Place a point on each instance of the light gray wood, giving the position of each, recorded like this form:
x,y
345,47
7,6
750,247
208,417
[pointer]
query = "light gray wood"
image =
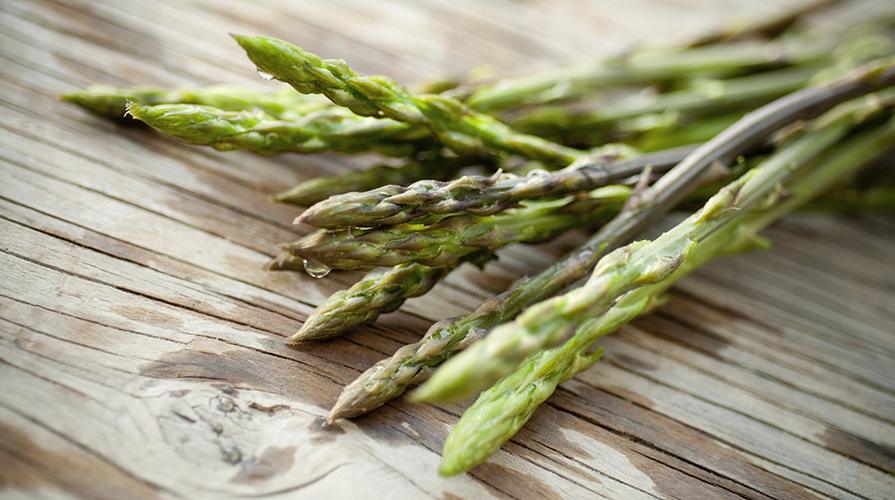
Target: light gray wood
x,y
141,345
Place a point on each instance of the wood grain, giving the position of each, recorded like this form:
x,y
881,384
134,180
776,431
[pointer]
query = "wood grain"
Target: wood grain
x,y
141,346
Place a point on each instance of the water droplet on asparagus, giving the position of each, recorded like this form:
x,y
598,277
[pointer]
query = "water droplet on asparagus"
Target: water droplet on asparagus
x,y
316,270
264,75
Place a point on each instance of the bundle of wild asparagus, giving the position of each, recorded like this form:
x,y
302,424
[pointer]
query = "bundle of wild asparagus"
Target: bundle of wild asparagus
x,y
748,128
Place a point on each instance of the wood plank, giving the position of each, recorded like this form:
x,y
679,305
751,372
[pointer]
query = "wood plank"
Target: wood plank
x,y
141,347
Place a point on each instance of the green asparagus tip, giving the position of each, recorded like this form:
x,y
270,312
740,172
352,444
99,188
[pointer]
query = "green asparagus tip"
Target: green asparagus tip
x,y
100,100
296,339
453,467
75,98
260,50
298,195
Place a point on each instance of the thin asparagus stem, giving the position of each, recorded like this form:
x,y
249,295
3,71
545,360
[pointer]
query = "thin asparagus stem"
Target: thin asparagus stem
x,y
453,123
411,364
334,129
504,408
480,195
553,321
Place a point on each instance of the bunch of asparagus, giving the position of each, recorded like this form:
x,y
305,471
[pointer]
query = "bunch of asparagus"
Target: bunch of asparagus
x,y
748,127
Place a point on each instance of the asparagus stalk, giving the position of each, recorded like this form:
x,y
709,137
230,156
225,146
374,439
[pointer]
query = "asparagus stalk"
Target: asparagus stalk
x,y
449,241
453,123
376,293
111,102
412,363
504,408
642,263
479,195
334,129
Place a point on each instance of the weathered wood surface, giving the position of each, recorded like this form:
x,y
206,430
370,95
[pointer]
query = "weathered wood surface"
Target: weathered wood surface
x,y
141,349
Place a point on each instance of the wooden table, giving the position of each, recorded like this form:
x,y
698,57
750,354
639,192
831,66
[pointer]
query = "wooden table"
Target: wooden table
x,y
141,347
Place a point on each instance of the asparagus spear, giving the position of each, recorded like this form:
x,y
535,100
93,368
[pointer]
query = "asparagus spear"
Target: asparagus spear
x,y
334,129
480,195
111,102
453,123
504,408
376,293
642,263
412,363
447,242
